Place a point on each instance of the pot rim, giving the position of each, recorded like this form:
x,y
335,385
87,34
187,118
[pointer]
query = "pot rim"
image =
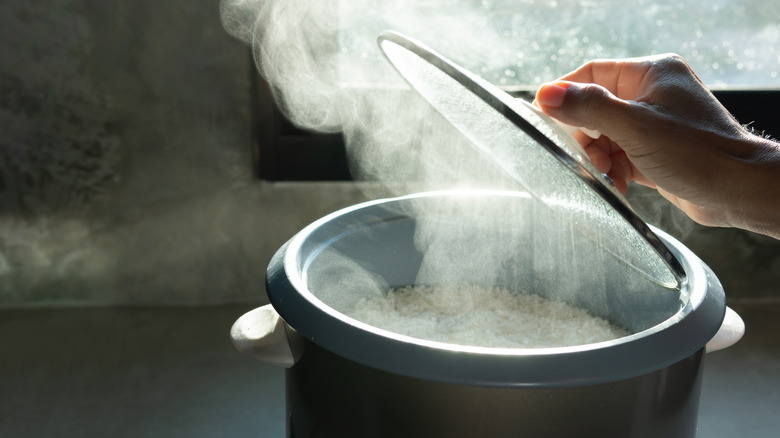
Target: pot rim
x,y
675,338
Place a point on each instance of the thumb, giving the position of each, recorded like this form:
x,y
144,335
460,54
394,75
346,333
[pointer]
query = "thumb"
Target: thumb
x,y
591,106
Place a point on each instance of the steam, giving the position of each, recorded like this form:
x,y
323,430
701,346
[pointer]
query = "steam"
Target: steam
x,y
293,44
319,79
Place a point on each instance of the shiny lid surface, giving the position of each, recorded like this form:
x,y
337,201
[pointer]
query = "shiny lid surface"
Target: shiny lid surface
x,y
534,151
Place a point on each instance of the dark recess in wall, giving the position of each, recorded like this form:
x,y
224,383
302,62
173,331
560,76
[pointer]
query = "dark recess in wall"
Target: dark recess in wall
x,y
285,152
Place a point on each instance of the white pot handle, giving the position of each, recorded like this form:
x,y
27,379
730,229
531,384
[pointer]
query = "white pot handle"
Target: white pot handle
x,y
263,334
731,331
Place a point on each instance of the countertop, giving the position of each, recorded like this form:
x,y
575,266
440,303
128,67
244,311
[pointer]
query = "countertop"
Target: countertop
x,y
172,372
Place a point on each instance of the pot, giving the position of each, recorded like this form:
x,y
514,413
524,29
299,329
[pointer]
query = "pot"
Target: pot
x,y
345,378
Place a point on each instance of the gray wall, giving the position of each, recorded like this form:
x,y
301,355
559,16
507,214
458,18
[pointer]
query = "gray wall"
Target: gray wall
x,y
125,164
125,158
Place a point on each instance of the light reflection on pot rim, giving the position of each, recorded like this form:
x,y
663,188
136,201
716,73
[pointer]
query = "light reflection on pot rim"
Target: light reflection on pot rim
x,y
693,293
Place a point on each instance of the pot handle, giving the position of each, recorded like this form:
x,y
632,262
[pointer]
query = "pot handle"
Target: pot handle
x,y
263,334
730,331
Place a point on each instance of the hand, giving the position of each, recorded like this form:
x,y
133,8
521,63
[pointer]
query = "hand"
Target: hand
x,y
662,128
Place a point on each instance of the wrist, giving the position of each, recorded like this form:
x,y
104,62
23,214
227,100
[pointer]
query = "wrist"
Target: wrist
x,y
755,197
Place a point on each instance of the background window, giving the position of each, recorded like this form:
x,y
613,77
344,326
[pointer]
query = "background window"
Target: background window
x,y
734,46
526,42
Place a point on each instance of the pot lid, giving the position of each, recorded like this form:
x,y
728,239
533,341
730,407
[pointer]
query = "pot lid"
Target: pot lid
x,y
536,152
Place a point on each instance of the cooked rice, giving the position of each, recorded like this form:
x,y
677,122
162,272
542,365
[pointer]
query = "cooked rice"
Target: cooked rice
x,y
483,316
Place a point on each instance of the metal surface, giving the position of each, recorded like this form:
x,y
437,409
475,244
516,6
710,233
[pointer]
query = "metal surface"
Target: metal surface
x,y
667,325
423,68
329,396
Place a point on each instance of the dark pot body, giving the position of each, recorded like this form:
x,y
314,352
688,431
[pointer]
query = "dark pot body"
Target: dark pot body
x,y
329,396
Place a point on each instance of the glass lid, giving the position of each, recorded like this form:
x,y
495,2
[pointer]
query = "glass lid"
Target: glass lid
x,y
537,153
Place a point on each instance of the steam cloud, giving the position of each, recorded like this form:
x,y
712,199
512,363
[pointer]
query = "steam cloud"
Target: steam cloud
x,y
319,77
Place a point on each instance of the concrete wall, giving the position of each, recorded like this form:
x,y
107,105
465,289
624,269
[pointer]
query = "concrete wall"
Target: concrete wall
x,y
125,158
125,164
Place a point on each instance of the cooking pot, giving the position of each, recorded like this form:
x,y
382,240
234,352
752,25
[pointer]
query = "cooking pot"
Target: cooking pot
x,y
346,378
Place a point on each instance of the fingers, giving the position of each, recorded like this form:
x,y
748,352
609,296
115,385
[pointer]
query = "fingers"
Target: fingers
x,y
620,171
629,78
598,151
612,161
621,78
591,106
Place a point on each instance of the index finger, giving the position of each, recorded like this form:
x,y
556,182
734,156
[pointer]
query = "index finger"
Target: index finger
x,y
625,78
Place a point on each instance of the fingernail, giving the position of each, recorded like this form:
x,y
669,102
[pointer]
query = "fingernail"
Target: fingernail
x,y
551,95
